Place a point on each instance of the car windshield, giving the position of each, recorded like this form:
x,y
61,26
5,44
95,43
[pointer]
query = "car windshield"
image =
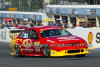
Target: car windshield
x,y
54,32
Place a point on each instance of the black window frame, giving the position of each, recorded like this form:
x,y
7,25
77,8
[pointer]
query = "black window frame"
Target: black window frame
x,y
23,34
36,33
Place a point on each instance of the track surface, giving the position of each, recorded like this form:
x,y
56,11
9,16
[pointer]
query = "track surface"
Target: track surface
x,y
6,60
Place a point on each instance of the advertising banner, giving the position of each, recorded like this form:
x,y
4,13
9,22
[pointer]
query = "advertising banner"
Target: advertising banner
x,y
8,19
81,19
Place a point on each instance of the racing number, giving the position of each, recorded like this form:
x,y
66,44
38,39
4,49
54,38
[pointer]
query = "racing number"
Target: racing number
x,y
37,46
98,37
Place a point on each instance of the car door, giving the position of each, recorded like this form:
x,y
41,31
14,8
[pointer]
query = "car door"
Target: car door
x,y
35,41
26,43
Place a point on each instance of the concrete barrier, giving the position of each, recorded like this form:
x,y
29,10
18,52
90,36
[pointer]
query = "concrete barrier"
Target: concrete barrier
x,y
6,34
91,35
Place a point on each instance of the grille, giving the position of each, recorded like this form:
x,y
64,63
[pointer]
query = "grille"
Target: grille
x,y
73,51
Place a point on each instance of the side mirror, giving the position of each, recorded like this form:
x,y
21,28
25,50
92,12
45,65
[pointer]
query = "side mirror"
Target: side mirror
x,y
14,33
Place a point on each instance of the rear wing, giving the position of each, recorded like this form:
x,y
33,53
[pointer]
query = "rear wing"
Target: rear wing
x,y
14,33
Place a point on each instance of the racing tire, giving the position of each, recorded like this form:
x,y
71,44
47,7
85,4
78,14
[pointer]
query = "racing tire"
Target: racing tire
x,y
82,55
17,51
46,51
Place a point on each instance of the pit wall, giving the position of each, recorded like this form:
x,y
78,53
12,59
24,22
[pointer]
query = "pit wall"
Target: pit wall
x,y
91,35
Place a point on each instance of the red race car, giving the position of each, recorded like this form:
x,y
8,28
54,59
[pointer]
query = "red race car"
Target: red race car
x,y
47,41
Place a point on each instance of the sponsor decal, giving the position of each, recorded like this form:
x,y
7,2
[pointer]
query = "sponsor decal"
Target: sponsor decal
x,y
81,19
36,43
28,50
53,53
65,37
27,43
37,46
90,38
69,45
49,29
50,41
98,37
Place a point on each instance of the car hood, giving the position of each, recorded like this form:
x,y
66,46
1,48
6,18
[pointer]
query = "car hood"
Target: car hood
x,y
64,39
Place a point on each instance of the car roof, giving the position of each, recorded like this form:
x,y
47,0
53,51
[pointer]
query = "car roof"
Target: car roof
x,y
41,28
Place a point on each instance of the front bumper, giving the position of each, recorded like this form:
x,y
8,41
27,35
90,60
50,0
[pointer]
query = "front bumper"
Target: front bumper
x,y
69,52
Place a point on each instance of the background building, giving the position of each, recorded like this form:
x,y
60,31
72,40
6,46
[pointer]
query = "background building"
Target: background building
x,y
22,5
64,12
74,2
39,5
74,12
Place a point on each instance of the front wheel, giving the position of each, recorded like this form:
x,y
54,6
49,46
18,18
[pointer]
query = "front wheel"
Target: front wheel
x,y
17,51
82,55
46,51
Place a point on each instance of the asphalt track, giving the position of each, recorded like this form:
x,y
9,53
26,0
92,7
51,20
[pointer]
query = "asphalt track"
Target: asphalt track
x,y
6,60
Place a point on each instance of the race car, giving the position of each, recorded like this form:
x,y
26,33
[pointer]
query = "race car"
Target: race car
x,y
48,41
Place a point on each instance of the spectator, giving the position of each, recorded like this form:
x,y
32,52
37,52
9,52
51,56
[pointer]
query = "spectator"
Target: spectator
x,y
2,26
61,25
94,25
84,25
49,24
79,25
91,25
31,24
41,24
38,24
28,25
74,24
54,24
21,27
67,25
16,25
87,25
5,27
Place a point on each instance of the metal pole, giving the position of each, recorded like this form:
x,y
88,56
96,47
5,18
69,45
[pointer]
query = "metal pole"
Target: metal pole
x,y
19,5
89,2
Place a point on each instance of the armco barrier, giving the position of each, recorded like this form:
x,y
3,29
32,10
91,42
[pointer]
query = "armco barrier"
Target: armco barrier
x,y
91,35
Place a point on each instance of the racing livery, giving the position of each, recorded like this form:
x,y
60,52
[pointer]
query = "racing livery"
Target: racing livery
x,y
47,41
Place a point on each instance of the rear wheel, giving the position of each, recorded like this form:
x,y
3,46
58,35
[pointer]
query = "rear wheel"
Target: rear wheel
x,y
82,55
17,51
46,51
